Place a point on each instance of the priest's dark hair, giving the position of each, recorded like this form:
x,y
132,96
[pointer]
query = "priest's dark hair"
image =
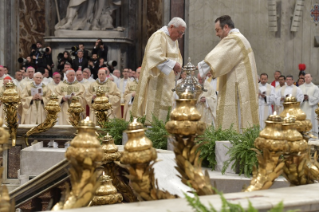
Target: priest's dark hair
x,y
282,76
264,74
290,76
225,19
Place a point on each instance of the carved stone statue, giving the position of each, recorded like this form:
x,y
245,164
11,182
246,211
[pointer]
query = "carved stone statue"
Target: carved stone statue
x,y
89,15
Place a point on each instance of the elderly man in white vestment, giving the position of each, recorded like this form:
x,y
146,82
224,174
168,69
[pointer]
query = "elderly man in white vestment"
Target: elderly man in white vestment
x,y
55,82
34,97
233,61
287,90
162,61
207,103
112,93
80,79
65,91
266,97
311,99
30,71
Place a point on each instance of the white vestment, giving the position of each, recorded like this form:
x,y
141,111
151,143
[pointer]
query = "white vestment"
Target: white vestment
x,y
265,103
310,106
277,107
286,91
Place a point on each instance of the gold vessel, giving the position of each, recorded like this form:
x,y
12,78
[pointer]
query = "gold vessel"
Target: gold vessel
x,y
84,155
11,100
185,126
52,108
101,106
106,193
75,111
285,136
138,158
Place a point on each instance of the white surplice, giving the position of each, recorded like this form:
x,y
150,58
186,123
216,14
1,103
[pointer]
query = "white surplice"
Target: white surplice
x,y
288,90
310,106
265,103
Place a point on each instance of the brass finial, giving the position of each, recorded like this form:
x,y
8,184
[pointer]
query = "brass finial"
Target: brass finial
x,y
135,125
86,123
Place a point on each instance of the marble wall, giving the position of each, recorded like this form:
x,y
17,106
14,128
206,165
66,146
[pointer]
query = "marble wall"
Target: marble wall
x,y
282,50
31,24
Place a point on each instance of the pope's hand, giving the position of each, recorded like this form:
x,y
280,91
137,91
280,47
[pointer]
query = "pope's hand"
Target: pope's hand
x,y
177,68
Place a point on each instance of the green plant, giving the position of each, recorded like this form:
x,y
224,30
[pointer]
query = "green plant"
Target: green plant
x,y
139,119
196,204
158,133
115,128
208,140
241,153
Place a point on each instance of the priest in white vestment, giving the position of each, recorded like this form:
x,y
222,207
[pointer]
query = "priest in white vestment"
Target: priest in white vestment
x,y
87,75
46,78
162,61
18,78
233,61
34,98
30,71
309,104
266,97
65,91
55,82
207,103
287,90
123,82
129,95
279,107
81,79
111,92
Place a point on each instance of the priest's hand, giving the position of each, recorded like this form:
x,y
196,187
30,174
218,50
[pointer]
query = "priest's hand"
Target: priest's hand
x,y
177,68
306,97
93,97
282,99
203,99
133,93
35,97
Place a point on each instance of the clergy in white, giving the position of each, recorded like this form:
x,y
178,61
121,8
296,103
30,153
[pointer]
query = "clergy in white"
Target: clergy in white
x,y
279,107
123,82
289,89
266,96
29,78
311,99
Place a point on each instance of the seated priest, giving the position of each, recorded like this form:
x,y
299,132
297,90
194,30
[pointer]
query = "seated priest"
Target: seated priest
x,y
65,91
129,94
34,97
207,103
5,80
112,93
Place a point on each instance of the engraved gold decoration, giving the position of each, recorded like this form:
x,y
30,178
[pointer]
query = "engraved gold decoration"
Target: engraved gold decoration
x,y
75,111
110,155
139,157
101,106
285,135
185,126
106,193
52,108
5,204
11,100
84,155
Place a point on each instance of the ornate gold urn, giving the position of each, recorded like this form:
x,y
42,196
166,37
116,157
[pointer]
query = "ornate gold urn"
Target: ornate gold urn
x,y
138,158
11,100
292,107
101,106
185,126
84,155
106,193
75,111
52,108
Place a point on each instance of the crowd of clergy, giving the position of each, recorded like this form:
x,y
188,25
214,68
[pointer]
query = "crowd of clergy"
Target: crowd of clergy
x,y
120,88
272,96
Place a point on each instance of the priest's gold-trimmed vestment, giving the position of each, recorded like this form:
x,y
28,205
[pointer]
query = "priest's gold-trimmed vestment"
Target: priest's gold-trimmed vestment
x,y
233,61
113,93
154,91
66,88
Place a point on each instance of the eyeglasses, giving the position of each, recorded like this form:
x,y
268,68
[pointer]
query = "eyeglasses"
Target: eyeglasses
x,y
180,33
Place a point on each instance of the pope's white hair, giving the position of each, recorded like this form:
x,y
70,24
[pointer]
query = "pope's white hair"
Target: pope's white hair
x,y
87,69
38,73
68,71
176,22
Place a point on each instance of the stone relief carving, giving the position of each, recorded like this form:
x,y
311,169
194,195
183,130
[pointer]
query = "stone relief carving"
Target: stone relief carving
x,y
89,15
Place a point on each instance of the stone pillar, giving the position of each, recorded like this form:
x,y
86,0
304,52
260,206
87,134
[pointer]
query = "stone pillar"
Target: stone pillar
x,y
178,10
